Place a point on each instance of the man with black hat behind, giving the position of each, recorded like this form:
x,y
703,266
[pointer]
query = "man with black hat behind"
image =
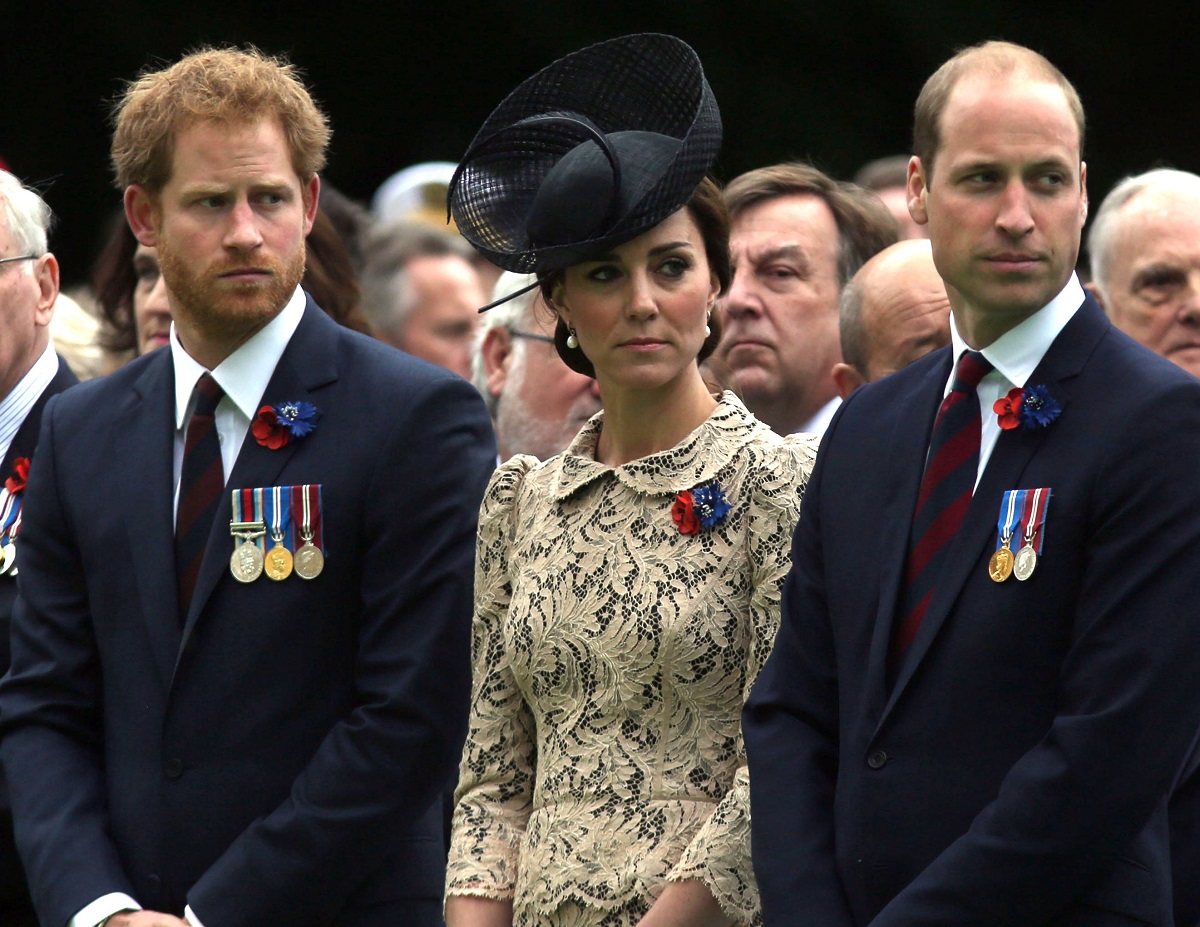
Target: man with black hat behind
x,y
240,654
984,683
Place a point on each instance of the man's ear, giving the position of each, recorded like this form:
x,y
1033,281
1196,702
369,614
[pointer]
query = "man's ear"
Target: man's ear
x,y
142,213
1091,287
917,190
312,197
847,379
45,271
496,349
1083,191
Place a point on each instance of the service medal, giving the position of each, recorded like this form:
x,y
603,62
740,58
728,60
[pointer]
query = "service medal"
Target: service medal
x,y
278,561
246,562
309,561
1026,563
1000,566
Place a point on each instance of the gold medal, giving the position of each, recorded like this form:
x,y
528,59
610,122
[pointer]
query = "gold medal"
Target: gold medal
x,y
1026,562
309,560
278,563
1000,566
246,562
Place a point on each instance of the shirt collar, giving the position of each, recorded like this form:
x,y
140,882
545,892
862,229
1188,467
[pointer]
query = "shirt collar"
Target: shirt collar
x,y
695,460
1017,352
819,422
15,407
245,373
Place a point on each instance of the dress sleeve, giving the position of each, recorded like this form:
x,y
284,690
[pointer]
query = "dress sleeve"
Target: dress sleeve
x,y
719,855
495,786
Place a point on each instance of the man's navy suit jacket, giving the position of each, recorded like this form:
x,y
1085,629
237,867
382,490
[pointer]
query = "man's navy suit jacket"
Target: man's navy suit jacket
x,y
278,756
24,442
1016,772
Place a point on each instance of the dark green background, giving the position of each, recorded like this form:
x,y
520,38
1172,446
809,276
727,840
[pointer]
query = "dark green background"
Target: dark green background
x,y
829,81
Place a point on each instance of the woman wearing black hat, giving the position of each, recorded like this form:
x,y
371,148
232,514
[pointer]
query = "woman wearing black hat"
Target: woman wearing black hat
x,y
627,591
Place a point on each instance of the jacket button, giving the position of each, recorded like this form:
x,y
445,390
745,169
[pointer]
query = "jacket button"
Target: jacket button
x,y
876,759
174,768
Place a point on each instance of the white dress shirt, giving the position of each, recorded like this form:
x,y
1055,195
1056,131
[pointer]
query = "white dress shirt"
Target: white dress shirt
x,y
819,422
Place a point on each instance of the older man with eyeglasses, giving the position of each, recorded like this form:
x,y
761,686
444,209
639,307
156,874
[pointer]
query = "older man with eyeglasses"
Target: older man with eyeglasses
x,y
30,373
538,403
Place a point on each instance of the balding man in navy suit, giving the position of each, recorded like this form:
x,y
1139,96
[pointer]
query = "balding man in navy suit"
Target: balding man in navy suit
x,y
984,684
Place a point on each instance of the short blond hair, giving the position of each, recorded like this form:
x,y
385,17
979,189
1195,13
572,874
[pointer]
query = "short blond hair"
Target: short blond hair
x,y
228,85
995,59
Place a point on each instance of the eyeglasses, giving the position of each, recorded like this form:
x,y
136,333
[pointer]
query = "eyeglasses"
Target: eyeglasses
x,y
531,336
20,257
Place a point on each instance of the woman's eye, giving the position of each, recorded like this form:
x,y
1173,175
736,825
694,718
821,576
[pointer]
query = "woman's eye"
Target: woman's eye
x,y
603,274
675,267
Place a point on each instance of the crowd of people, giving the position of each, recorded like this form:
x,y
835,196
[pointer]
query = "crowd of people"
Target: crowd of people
x,y
797,551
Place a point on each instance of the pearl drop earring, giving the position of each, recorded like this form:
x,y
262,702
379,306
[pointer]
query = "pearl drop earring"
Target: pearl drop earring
x,y
572,341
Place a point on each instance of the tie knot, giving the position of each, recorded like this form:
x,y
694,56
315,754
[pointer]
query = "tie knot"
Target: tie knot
x,y
971,368
208,393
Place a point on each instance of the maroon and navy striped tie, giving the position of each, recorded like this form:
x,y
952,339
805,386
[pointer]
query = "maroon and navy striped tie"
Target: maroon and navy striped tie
x,y
201,482
946,490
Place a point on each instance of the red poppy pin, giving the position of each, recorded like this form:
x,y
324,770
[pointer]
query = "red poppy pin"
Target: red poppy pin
x,y
275,426
16,483
1029,408
704,508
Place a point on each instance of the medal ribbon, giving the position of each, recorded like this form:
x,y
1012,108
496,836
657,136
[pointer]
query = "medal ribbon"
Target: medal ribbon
x,y
1034,519
306,512
1010,511
10,509
278,517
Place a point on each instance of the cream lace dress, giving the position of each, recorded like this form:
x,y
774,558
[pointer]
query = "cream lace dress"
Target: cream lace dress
x,y
612,654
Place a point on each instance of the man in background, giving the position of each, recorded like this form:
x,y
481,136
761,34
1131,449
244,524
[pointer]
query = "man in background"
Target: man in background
x,y
538,403
30,373
421,294
797,238
1144,246
894,311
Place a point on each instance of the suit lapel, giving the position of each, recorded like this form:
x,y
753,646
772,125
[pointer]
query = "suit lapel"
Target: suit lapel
x,y
144,433
1061,364
306,366
909,441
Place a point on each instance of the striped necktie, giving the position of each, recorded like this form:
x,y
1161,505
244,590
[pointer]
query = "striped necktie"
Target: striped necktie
x,y
946,490
201,482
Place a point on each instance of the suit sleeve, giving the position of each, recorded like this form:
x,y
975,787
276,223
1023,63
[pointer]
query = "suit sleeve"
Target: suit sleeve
x,y
1128,709
719,854
49,705
382,767
495,784
790,727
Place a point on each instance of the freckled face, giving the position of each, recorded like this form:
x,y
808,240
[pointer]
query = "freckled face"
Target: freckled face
x,y
229,226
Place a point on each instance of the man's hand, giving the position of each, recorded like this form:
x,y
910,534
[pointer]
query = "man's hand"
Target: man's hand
x,y
145,919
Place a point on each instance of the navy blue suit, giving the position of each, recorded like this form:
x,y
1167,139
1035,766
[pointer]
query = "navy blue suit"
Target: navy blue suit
x,y
278,758
14,897
1017,771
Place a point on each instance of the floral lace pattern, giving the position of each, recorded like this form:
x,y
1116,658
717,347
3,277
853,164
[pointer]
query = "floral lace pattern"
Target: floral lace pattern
x,y
612,655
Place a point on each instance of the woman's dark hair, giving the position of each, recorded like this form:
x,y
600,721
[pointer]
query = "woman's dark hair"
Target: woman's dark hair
x,y
707,207
113,282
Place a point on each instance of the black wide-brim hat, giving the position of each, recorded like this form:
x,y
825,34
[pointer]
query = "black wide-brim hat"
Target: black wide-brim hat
x,y
587,154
